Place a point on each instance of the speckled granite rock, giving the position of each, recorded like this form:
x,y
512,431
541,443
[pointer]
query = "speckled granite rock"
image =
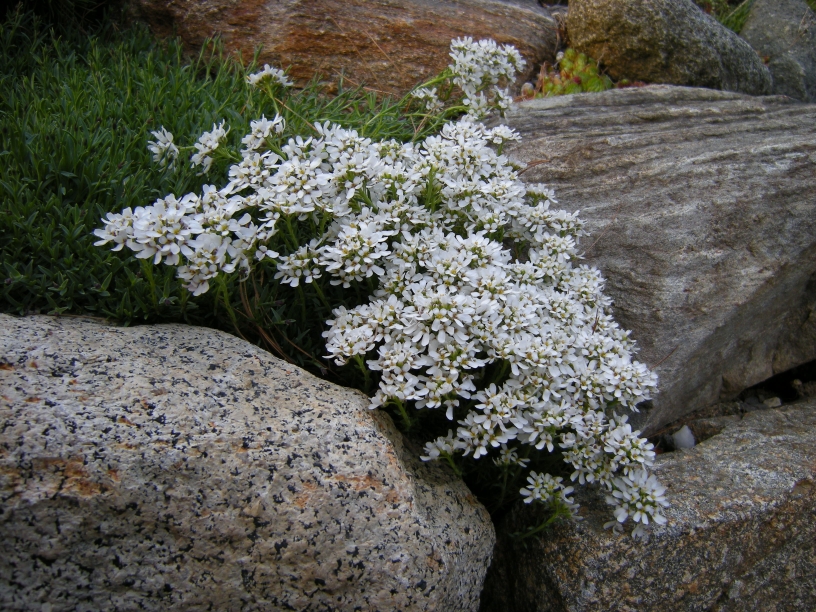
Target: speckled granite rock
x,y
784,31
741,534
180,468
701,207
665,41
390,45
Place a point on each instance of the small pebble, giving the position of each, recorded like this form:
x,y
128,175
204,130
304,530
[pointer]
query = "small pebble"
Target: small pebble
x,y
683,438
773,402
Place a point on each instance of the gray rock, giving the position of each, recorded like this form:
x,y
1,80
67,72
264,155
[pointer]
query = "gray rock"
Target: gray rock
x,y
784,31
665,41
702,212
180,468
741,534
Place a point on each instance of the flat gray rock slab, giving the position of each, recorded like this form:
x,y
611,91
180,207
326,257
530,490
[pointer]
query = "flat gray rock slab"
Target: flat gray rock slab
x,y
784,32
702,211
180,468
665,41
741,534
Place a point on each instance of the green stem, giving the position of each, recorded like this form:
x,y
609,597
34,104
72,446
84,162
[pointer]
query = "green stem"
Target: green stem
x,y
224,292
452,463
268,91
443,76
558,512
292,234
440,78
371,286
502,372
358,359
321,295
295,113
185,295
408,423
302,296
147,267
324,219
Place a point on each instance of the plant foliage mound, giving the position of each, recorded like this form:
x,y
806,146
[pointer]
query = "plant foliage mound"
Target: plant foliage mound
x,y
574,73
77,113
428,267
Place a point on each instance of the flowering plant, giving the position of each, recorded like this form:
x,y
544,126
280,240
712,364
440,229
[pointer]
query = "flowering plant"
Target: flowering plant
x,y
468,297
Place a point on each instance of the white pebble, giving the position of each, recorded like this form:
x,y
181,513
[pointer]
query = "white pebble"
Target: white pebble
x,y
683,438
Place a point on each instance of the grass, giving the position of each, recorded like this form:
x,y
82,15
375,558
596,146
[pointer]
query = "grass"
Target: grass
x,y
734,13
75,116
76,113
734,17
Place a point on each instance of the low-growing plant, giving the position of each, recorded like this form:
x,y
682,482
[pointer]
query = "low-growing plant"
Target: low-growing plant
x,y
734,13
65,17
573,73
431,271
731,13
76,113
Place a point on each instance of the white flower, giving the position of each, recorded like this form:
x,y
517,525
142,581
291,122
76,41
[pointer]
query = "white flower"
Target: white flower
x,y
509,456
163,149
208,143
628,451
261,130
547,489
501,134
298,266
253,171
275,75
118,229
478,67
439,447
205,256
640,497
429,98
160,230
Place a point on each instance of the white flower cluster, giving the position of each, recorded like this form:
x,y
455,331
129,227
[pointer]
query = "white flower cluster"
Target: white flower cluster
x,y
509,457
520,342
276,75
163,149
547,489
207,144
203,235
479,68
429,97
640,496
482,70
262,129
